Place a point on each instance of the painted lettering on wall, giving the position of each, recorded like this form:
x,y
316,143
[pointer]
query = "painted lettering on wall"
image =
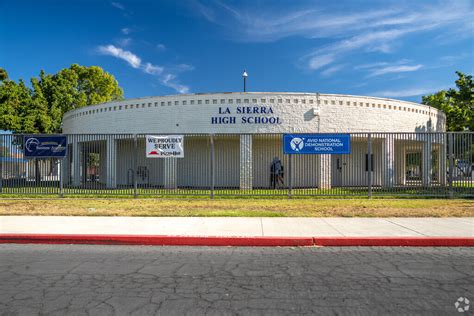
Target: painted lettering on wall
x,y
246,115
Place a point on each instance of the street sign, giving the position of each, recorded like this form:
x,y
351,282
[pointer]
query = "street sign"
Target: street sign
x,y
317,143
36,146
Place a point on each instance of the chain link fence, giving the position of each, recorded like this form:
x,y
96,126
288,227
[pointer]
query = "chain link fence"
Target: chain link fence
x,y
230,165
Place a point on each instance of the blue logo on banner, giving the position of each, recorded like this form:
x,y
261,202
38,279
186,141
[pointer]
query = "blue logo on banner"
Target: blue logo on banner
x,y
317,143
45,146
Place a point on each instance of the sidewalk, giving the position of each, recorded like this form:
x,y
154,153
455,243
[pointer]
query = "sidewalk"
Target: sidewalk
x,y
238,231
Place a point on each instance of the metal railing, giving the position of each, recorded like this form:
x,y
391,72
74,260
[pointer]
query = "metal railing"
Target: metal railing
x,y
227,165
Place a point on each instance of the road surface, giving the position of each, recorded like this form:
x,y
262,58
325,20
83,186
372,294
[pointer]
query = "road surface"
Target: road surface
x,y
145,280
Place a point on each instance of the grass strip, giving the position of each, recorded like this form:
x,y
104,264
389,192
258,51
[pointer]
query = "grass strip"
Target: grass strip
x,y
240,207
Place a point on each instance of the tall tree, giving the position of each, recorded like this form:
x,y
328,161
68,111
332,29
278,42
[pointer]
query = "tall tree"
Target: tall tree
x,y
40,109
458,104
13,99
3,74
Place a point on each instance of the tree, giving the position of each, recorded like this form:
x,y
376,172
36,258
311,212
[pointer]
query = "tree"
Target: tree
x,y
76,87
40,109
13,100
458,104
3,74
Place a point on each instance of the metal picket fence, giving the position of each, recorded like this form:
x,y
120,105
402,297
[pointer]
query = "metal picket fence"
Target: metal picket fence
x,y
229,165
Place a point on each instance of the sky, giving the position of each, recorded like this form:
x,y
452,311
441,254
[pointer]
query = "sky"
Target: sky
x,y
396,49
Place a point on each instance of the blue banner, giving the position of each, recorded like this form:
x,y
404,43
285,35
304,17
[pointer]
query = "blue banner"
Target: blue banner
x,y
317,143
37,146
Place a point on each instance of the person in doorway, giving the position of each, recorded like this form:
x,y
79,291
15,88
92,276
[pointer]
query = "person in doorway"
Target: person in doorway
x,y
276,173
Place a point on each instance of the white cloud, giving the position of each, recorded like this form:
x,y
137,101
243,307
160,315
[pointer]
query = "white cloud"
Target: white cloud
x,y
368,41
160,47
348,30
331,70
409,92
184,67
132,59
452,59
152,69
165,77
382,68
371,65
118,5
124,41
263,24
205,11
126,30
394,69
381,64
167,80
317,62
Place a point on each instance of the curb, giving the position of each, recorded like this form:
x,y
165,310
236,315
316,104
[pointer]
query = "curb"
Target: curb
x,y
395,241
236,241
155,240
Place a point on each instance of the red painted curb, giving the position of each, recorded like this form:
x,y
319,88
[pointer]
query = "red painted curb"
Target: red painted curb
x,y
396,241
154,240
235,241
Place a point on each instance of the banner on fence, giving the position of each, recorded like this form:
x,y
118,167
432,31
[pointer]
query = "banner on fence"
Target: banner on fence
x,y
317,143
45,146
164,146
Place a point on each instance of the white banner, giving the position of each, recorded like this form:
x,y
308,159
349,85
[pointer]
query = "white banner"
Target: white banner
x,y
165,146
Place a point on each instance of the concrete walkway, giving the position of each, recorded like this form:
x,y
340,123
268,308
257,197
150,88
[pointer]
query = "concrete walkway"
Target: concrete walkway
x,y
239,226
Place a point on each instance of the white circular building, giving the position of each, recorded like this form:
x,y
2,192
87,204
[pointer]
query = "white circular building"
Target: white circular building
x,y
247,130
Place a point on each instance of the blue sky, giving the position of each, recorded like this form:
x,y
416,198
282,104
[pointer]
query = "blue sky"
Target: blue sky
x,y
399,49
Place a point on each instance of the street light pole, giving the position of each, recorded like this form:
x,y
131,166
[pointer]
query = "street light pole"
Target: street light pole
x,y
245,75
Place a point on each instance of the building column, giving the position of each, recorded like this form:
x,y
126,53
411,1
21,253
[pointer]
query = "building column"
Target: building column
x,y
324,172
389,160
246,174
103,162
170,174
64,174
426,160
76,163
111,149
65,165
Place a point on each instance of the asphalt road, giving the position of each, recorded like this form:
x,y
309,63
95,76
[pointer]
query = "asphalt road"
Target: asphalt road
x,y
122,280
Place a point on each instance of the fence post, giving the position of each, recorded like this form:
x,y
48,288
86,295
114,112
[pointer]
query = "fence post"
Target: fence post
x,y
37,173
135,167
451,164
290,177
61,185
2,142
212,165
369,164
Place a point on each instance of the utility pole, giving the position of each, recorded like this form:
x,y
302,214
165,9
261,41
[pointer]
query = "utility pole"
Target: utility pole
x,y
245,75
